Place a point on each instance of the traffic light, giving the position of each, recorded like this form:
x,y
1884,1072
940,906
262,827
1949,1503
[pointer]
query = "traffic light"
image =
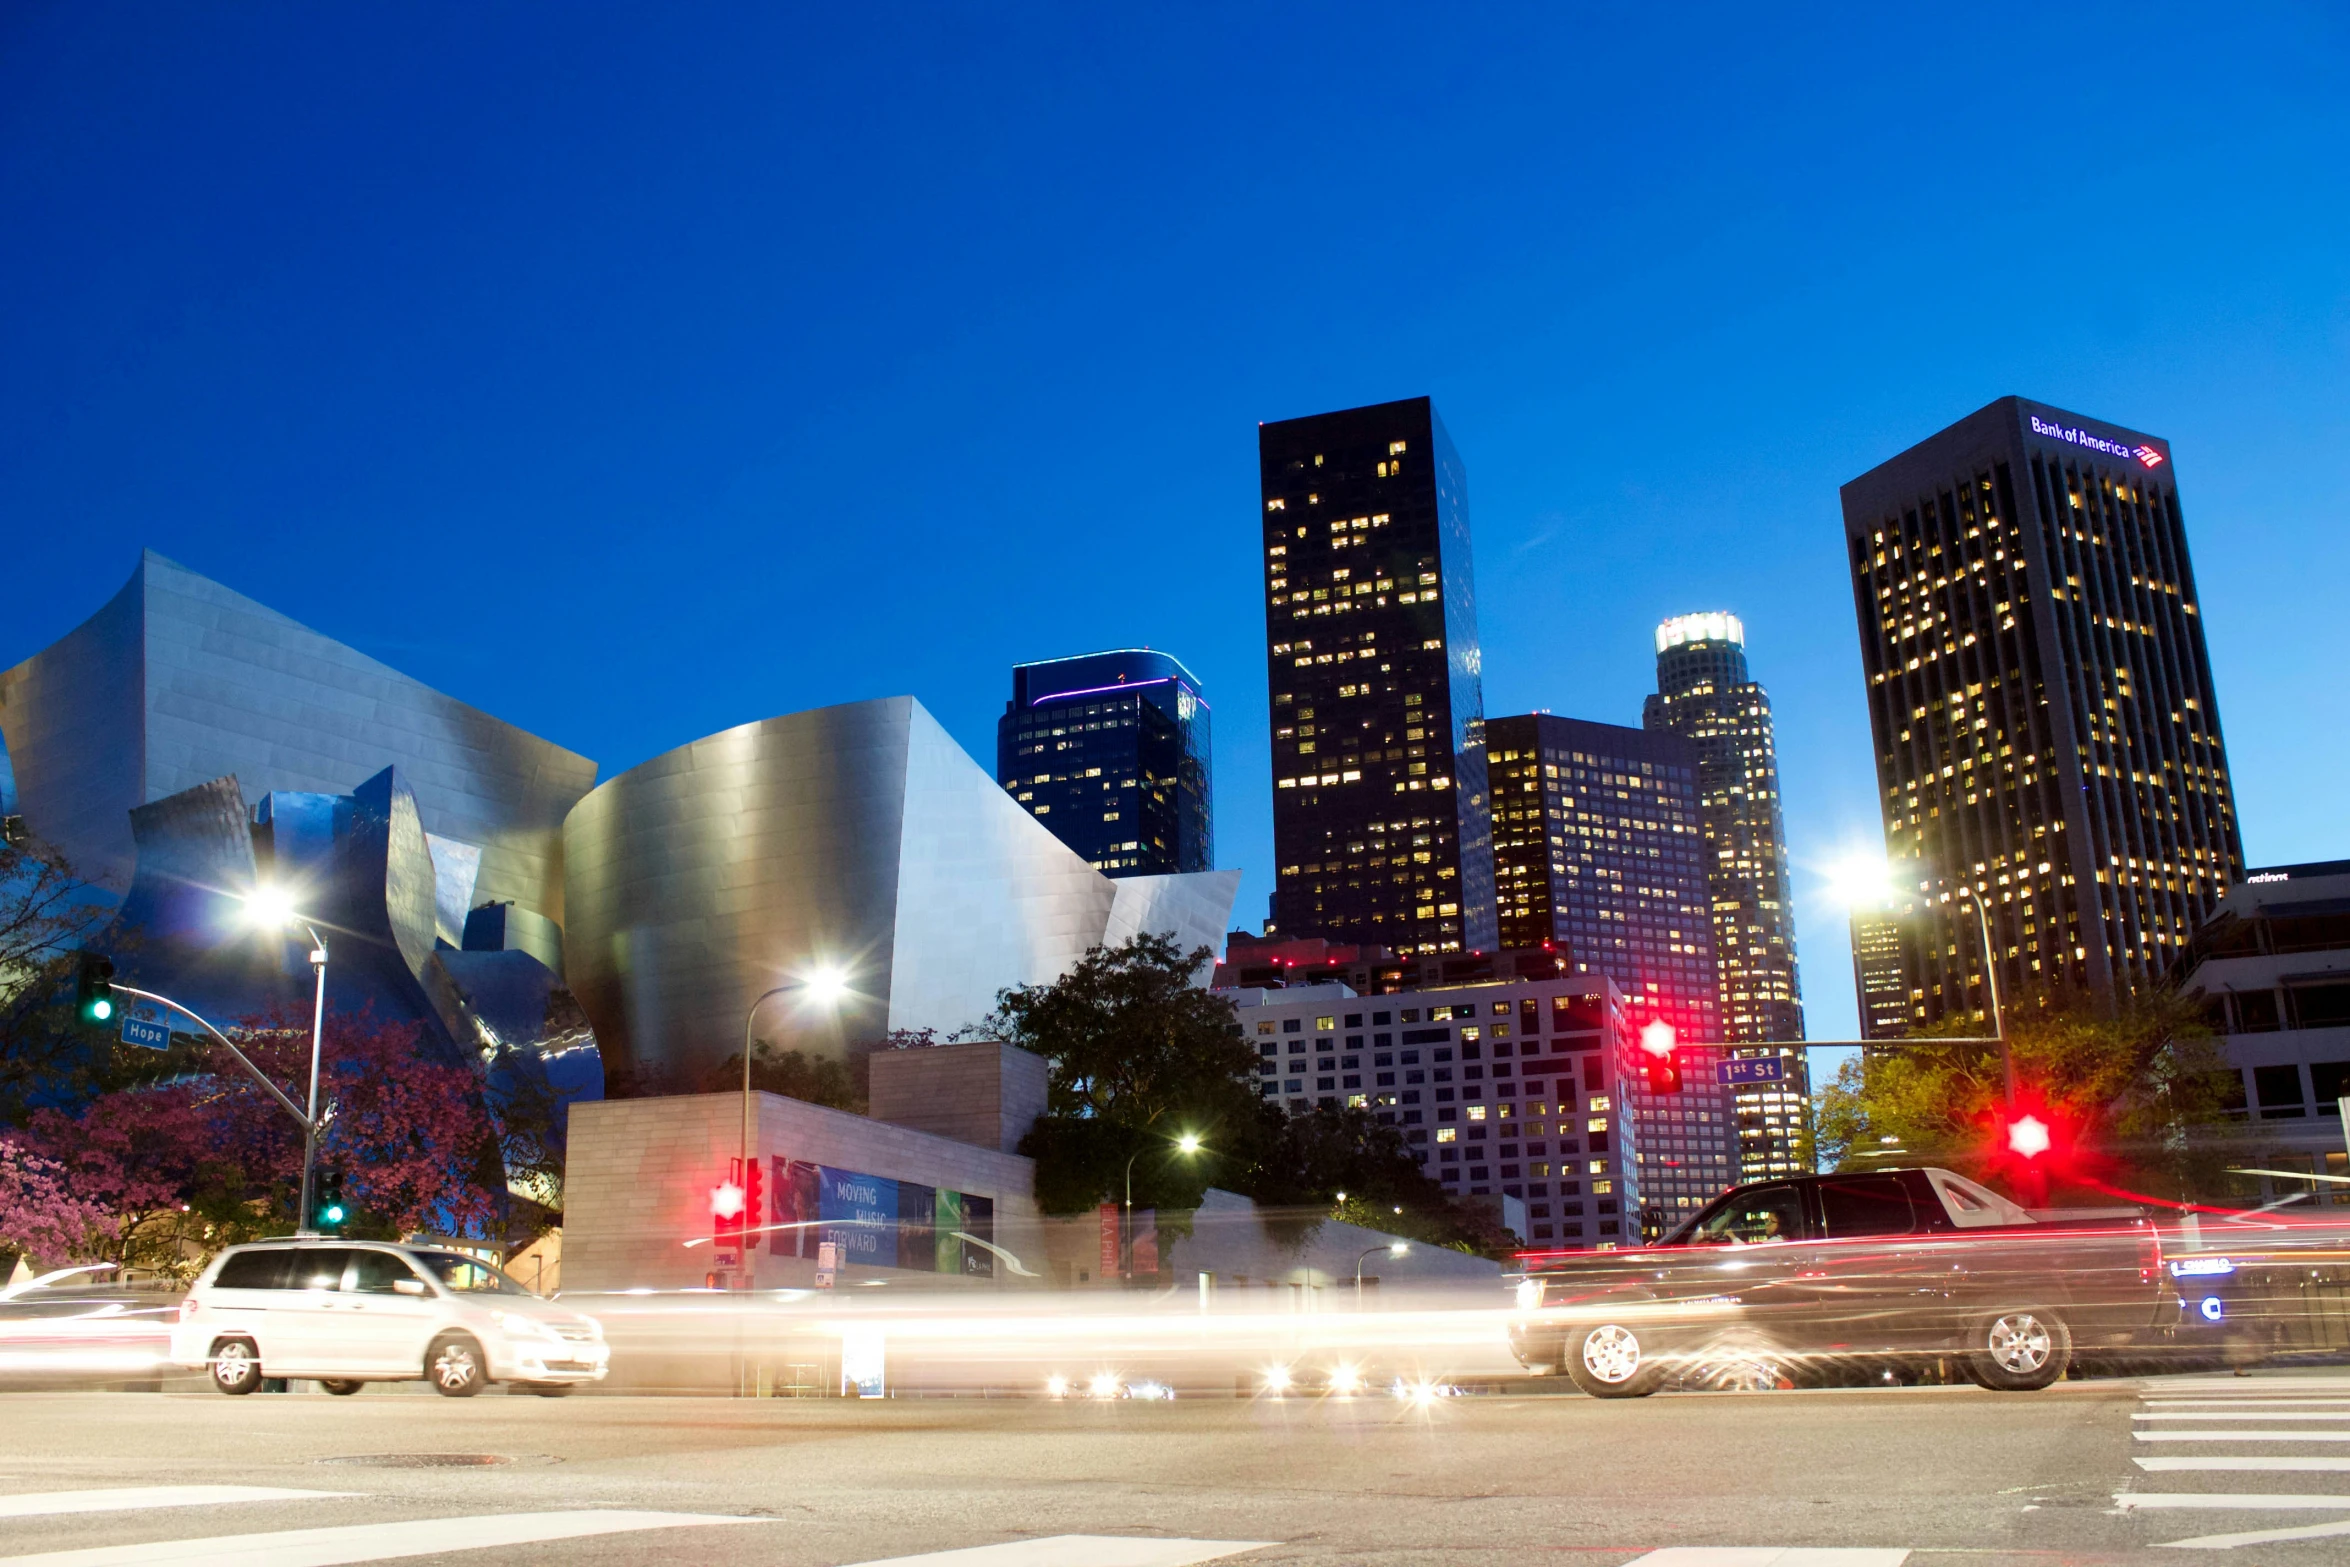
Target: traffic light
x,y
754,1199
726,1204
2027,1136
94,990
1660,1072
328,1214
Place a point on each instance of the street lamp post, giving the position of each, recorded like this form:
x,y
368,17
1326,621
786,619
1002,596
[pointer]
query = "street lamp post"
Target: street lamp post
x,y
1186,1145
270,908
1392,1248
1991,984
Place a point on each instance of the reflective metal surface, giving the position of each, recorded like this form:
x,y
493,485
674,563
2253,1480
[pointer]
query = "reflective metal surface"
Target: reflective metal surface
x,y
857,839
178,681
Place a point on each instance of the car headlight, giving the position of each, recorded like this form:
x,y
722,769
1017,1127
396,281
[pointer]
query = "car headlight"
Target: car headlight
x,y
515,1325
1529,1294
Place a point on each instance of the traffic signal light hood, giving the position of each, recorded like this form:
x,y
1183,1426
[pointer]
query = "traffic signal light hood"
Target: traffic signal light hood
x,y
94,990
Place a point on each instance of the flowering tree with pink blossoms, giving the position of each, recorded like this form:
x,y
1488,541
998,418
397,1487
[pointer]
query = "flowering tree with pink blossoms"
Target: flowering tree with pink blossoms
x,y
42,1218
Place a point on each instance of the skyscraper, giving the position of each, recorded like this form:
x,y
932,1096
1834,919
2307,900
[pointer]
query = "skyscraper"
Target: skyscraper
x,y
2047,736
1705,695
1878,982
1598,850
1110,751
1380,827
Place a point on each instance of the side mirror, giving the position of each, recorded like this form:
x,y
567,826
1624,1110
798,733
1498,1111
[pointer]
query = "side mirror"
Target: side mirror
x,y
408,1286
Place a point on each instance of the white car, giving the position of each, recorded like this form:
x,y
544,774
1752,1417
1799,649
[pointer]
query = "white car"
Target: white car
x,y
352,1312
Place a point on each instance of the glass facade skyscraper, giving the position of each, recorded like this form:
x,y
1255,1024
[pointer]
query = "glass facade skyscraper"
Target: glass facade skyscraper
x,y
1598,851
1111,752
1705,695
2047,736
1380,825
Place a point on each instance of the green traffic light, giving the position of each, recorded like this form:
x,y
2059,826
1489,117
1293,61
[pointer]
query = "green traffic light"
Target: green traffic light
x,y
101,1010
334,1214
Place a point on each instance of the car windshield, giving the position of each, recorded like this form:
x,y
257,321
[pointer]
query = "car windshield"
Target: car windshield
x,y
468,1275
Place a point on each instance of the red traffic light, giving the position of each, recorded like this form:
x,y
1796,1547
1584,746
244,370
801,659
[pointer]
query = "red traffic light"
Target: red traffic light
x,y
2028,1137
1658,1038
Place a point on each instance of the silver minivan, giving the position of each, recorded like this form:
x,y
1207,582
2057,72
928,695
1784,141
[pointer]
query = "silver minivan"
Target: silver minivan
x,y
347,1313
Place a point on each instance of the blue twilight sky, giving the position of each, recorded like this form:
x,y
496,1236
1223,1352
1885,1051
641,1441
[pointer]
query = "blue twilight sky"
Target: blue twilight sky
x,y
632,372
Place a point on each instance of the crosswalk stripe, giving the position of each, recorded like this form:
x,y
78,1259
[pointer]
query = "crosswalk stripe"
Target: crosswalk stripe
x,y
2281,1464
2251,1387
2229,1542
1769,1556
2248,1403
124,1498
2285,1414
2237,1501
372,1542
2243,1436
1082,1550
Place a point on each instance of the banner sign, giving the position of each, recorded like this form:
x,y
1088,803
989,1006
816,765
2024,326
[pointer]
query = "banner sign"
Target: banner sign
x,y
875,1222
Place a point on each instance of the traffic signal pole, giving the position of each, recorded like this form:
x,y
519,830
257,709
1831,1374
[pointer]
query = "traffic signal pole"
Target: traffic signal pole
x,y
285,1103
310,1121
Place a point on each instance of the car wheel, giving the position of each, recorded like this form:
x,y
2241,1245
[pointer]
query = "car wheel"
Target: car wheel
x,y
341,1387
1607,1360
2019,1351
236,1367
454,1366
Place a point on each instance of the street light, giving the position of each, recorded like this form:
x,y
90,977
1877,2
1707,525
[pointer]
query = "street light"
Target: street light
x,y
272,908
1392,1248
1864,882
826,986
1187,1145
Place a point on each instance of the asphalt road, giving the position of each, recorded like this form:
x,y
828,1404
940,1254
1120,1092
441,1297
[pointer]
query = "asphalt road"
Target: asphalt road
x,y
1500,1479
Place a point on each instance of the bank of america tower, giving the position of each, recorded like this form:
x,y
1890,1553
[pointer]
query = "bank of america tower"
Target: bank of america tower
x,y
1381,828
2047,737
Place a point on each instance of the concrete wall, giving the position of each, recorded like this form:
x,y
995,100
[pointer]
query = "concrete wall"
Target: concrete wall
x,y
639,1173
987,1092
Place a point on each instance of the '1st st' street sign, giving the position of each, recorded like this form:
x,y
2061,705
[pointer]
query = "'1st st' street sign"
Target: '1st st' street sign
x,y
1768,1069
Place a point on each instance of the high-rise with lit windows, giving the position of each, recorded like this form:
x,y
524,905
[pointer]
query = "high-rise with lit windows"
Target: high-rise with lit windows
x,y
1879,982
1598,852
1110,751
1705,695
2041,701
1380,828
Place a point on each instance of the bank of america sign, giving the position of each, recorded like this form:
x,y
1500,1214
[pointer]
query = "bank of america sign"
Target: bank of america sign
x,y
2076,436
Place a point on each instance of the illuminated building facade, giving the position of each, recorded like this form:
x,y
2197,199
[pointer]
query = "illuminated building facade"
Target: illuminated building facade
x,y
1508,1087
1879,982
1705,695
1597,851
1110,752
2047,734
1380,829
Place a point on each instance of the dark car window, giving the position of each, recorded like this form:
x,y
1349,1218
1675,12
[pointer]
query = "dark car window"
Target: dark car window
x,y
254,1270
375,1272
1865,1205
318,1268
1758,1216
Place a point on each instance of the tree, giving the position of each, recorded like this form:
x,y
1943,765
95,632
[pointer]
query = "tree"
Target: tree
x,y
42,1218
47,915
1133,1040
2124,1088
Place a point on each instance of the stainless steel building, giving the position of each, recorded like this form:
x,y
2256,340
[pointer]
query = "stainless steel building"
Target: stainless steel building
x,y
179,681
853,857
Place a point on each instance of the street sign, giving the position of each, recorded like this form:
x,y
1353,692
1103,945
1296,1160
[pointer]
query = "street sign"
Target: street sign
x,y
146,1035
1769,1069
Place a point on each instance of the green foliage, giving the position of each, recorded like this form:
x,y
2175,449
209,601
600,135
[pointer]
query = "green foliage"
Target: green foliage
x,y
2130,1084
1133,1040
1082,1161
